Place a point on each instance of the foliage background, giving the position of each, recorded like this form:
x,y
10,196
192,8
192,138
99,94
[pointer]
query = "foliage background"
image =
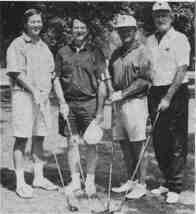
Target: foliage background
x,y
99,15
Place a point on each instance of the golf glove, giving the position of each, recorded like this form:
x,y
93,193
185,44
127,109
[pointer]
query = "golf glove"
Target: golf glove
x,y
116,96
64,110
75,140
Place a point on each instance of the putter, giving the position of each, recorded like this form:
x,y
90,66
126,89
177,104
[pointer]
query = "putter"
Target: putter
x,y
81,170
107,210
69,205
138,163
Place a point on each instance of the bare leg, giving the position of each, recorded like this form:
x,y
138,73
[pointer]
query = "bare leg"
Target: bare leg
x,y
127,150
22,189
92,158
18,155
37,148
37,153
137,146
73,158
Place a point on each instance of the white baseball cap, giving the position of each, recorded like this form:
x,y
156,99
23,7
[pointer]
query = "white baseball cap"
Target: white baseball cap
x,y
125,21
161,5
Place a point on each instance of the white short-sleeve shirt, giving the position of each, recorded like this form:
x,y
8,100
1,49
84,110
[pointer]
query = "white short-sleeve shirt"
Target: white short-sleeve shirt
x,y
34,60
172,51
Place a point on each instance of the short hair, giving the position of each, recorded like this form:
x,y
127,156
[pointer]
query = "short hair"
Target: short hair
x,y
81,19
30,12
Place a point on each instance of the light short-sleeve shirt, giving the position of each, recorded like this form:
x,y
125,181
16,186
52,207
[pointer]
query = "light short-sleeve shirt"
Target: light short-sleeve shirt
x,y
34,60
172,51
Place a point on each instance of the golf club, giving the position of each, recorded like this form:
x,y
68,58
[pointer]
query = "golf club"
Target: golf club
x,y
138,163
81,170
70,207
107,210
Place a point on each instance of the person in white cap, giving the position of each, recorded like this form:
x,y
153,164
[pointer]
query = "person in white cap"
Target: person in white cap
x,y
129,68
170,52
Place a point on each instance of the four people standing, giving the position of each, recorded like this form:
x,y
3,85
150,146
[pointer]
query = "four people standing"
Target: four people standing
x,y
157,69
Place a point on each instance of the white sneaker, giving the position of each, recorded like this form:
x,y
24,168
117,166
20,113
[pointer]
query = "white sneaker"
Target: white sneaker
x,y
159,191
138,191
73,187
24,191
172,197
124,187
44,183
90,188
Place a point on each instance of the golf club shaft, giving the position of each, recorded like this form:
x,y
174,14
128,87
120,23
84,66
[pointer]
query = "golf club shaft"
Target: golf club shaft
x,y
62,181
140,157
110,179
59,170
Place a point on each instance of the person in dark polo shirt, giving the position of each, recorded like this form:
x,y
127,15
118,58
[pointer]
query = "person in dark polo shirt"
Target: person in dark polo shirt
x,y
79,67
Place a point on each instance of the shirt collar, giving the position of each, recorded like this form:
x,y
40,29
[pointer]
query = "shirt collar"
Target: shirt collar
x,y
28,39
84,46
127,49
170,33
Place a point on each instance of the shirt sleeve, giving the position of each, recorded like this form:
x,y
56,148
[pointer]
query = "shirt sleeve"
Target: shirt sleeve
x,y
51,65
100,65
182,51
16,60
58,65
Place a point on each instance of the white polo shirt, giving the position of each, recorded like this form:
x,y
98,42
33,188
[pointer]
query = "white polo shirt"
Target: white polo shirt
x,y
172,51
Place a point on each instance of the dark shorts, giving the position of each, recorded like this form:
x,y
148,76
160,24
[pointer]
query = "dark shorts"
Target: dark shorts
x,y
80,115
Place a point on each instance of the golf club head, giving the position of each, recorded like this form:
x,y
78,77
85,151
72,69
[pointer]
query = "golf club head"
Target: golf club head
x,y
93,133
106,211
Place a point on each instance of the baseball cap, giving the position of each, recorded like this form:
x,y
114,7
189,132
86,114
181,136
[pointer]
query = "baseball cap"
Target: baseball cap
x,y
162,5
125,21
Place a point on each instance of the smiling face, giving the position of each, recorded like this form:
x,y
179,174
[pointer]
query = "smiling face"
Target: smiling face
x,y
163,20
127,34
34,25
79,31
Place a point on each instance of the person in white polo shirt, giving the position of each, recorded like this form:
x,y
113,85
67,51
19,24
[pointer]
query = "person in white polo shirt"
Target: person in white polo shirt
x,y
170,52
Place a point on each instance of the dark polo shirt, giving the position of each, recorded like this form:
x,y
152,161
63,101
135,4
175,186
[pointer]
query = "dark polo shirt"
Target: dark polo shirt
x,y
79,71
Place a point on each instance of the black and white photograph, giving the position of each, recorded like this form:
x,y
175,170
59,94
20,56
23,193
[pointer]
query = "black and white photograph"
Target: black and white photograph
x,y
97,107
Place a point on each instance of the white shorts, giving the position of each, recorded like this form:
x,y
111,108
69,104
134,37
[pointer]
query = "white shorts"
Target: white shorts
x,y
27,118
130,120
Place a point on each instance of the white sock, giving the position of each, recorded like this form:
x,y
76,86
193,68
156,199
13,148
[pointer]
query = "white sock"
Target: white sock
x,y
19,177
38,171
76,178
90,178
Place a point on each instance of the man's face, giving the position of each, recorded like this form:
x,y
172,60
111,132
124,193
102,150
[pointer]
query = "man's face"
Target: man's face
x,y
162,20
79,30
127,34
34,25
